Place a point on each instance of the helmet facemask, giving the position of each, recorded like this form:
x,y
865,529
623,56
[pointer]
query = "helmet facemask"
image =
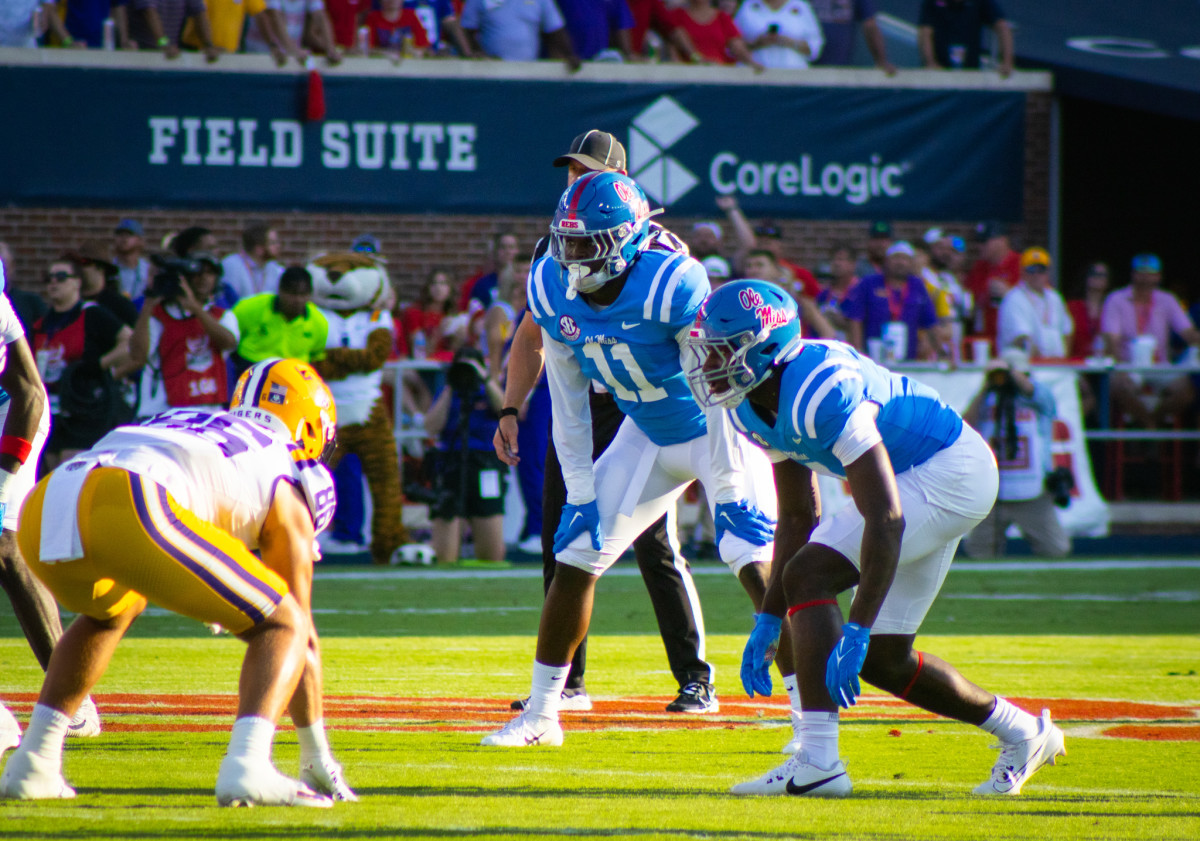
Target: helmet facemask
x,y
592,259
718,371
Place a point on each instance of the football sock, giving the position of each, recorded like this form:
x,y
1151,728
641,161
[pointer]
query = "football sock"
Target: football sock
x,y
1010,723
251,738
792,687
819,735
46,731
314,745
548,683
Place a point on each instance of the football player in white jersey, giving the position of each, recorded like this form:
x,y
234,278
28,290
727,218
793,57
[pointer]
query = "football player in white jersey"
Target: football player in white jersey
x,y
920,479
25,421
612,306
169,511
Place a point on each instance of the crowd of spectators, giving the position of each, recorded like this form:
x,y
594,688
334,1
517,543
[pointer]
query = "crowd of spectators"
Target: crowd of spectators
x,y
757,33
122,330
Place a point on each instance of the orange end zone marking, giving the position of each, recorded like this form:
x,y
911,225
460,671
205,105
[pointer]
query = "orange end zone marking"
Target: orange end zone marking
x,y
212,713
1153,733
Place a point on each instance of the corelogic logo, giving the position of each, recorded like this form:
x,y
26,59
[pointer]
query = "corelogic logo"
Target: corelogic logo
x,y
656,129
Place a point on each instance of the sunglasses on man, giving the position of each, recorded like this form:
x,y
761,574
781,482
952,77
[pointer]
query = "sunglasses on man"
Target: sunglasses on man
x,y
59,277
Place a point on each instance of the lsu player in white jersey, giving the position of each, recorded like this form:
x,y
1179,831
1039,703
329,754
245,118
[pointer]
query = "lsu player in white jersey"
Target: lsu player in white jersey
x,y
25,421
920,479
169,512
612,308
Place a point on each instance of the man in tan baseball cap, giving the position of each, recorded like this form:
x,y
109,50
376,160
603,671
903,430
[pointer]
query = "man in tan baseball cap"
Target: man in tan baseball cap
x,y
593,151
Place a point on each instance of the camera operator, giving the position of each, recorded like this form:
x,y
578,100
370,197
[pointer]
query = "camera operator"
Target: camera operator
x,y
180,336
472,481
80,348
1016,415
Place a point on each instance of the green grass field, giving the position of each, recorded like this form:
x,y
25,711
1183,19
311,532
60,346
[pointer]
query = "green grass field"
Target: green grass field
x,y
419,665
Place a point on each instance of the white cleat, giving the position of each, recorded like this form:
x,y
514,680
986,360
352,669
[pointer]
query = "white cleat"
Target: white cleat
x,y
10,730
794,746
1019,762
244,783
28,776
86,721
524,731
326,778
800,778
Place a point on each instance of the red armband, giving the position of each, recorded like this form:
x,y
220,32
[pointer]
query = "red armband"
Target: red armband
x,y
18,448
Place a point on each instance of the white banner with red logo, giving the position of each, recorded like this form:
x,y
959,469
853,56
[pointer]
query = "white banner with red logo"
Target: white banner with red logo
x,y
1088,514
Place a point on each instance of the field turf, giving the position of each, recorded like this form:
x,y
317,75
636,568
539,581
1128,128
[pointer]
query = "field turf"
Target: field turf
x,y
420,664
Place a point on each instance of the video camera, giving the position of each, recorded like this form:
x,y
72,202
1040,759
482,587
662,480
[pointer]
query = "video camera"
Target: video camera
x,y
167,282
464,374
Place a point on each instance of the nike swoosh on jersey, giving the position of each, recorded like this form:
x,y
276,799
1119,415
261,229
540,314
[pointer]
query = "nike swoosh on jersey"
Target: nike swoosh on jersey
x,y
792,788
629,325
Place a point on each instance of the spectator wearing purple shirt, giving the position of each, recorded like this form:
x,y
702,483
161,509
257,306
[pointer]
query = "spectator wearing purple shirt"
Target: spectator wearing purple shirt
x,y
84,20
895,295
837,18
1139,310
599,25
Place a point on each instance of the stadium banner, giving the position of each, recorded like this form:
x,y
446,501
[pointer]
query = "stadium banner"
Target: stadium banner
x,y
233,140
1088,513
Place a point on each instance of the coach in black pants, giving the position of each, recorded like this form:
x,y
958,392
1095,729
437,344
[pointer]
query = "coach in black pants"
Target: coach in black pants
x,y
666,573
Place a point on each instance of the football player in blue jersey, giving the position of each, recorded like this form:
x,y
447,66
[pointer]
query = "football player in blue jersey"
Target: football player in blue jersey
x,y
920,479
613,306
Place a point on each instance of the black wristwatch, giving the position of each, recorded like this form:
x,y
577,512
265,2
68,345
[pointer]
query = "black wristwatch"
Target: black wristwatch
x,y
509,410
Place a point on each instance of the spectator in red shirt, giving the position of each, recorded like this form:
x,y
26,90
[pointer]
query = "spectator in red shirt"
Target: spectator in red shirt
x,y
433,317
799,280
392,24
995,272
1085,312
715,37
654,16
346,16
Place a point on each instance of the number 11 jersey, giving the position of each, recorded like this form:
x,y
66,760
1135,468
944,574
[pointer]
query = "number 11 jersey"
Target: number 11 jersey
x,y
631,346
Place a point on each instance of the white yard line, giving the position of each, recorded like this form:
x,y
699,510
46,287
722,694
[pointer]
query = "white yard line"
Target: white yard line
x,y
629,570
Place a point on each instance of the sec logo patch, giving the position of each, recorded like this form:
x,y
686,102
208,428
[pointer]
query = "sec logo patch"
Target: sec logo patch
x,y
568,328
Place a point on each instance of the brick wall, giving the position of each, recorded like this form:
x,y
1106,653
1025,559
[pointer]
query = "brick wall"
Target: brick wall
x,y
415,243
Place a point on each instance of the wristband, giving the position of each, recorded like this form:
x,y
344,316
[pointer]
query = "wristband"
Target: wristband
x,y
508,411
18,448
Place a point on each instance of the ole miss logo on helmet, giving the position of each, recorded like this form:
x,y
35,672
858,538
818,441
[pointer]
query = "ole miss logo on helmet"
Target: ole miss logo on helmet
x,y
770,318
750,299
623,191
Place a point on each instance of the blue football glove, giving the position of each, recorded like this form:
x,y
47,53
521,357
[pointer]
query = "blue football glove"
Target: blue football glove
x,y
3,510
759,654
845,662
744,521
576,519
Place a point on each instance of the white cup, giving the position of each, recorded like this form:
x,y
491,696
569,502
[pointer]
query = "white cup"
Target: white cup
x,y
981,351
875,349
1141,350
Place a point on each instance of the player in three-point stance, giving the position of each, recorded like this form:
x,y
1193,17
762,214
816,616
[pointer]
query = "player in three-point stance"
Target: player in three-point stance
x,y
613,307
920,479
168,512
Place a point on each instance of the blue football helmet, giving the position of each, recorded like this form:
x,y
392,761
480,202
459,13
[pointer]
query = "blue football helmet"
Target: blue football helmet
x,y
744,328
601,224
